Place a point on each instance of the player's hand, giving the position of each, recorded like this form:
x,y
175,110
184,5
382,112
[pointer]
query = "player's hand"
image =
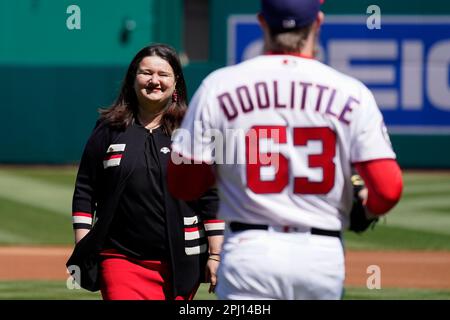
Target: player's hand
x,y
211,272
360,218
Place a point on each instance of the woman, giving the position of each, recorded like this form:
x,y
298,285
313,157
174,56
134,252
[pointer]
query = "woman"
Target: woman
x,y
144,244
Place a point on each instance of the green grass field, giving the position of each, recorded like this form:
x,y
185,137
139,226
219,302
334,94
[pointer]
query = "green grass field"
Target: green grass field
x,y
35,206
56,290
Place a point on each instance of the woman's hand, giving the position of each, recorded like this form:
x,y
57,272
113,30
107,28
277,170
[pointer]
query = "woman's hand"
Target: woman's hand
x,y
211,271
215,246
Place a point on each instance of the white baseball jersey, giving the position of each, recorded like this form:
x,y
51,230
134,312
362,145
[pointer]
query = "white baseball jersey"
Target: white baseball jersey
x,y
283,132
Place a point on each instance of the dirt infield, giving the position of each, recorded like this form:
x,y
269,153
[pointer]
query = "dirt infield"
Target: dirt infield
x,y
401,269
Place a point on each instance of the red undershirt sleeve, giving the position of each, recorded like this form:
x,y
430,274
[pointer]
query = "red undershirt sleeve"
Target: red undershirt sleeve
x,y
383,179
189,181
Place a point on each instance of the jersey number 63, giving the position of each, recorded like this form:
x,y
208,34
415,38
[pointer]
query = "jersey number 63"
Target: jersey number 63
x,y
301,136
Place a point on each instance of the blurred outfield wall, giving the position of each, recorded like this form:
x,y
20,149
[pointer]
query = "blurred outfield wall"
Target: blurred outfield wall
x,y
53,79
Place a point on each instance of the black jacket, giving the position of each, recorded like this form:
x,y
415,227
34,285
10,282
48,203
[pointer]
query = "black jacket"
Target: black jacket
x,y
98,190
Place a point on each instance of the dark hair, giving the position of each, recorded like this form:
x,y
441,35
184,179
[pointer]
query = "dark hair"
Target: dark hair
x,y
124,110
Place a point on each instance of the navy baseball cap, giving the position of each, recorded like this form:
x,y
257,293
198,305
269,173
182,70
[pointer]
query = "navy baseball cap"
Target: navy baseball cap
x,y
286,15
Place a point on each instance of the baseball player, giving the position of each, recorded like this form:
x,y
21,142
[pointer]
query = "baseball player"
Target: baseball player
x,y
292,128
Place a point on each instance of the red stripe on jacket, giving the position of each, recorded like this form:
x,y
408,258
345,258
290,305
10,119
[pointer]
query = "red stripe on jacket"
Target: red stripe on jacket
x,y
191,229
212,221
82,214
114,156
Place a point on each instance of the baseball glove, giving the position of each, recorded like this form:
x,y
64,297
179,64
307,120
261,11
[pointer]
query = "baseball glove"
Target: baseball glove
x,y
359,222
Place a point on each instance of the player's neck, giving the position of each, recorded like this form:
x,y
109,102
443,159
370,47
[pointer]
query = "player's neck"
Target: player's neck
x,y
296,54
308,50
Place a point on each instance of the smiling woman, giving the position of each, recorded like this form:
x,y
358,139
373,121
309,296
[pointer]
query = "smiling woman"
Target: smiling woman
x,y
153,91
154,86
155,82
134,241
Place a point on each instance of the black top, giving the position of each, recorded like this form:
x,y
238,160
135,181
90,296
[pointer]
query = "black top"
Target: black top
x,y
138,229
98,193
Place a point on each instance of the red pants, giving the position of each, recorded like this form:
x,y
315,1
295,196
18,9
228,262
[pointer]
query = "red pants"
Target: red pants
x,y
124,278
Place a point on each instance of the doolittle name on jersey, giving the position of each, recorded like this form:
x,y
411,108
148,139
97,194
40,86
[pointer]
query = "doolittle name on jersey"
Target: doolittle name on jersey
x,y
264,95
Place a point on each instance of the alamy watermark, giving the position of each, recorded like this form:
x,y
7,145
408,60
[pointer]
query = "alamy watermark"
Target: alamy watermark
x,y
262,145
374,279
374,20
73,21
74,279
